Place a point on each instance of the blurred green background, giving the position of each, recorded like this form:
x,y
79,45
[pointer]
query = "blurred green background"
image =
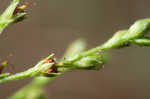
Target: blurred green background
x,y
53,24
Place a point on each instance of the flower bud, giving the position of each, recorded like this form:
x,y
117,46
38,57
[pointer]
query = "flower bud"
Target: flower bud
x,y
93,62
3,65
138,29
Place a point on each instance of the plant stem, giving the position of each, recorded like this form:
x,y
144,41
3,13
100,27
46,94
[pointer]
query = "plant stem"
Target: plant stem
x,y
32,90
35,71
87,58
40,82
120,39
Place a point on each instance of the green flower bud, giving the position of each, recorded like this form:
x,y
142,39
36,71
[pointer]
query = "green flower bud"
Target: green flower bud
x,y
93,62
138,29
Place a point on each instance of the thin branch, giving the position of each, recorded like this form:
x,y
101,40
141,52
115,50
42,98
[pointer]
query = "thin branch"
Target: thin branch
x,y
37,70
120,39
91,59
94,58
38,83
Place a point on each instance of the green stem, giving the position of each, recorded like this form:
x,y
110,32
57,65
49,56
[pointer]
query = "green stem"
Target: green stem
x,y
142,41
40,82
33,90
120,39
135,34
36,70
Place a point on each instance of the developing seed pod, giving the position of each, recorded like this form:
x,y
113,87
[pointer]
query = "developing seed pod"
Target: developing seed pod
x,y
93,62
3,65
49,61
19,13
52,69
20,9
